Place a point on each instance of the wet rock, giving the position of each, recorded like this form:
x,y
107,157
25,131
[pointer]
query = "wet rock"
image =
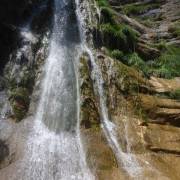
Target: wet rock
x,y
19,99
42,20
12,15
89,111
4,151
24,63
100,157
2,83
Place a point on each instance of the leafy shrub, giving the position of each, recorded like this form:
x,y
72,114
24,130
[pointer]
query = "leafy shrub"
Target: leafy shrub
x,y
120,37
19,99
102,3
168,64
134,60
175,29
137,9
107,15
162,45
117,54
175,94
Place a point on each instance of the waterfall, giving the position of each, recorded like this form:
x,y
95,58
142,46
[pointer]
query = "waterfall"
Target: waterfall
x,y
56,151
53,150
126,160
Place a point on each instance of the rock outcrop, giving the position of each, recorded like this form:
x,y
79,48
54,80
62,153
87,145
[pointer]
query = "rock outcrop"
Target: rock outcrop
x,y
12,15
22,54
136,47
142,89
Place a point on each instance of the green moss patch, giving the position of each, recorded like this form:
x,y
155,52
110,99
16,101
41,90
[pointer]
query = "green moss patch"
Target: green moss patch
x,y
102,3
89,112
137,9
19,99
175,29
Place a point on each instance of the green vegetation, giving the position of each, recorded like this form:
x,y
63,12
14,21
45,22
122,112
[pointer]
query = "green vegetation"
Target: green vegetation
x,y
137,9
135,61
168,64
115,36
162,45
107,15
102,3
131,59
117,54
20,100
175,94
120,37
20,94
121,40
175,29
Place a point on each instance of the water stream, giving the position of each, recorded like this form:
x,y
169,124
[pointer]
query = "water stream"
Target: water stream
x,y
53,150
126,159
56,151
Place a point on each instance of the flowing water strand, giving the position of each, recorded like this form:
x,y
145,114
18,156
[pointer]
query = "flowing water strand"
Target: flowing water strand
x,y
53,150
83,162
80,143
57,153
127,160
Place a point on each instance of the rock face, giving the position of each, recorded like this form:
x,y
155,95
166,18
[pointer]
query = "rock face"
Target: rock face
x,y
135,44
23,51
12,15
23,63
100,157
145,109
4,151
130,110
150,134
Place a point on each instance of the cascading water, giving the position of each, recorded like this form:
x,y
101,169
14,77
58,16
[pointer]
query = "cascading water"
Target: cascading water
x,y
53,150
126,160
58,109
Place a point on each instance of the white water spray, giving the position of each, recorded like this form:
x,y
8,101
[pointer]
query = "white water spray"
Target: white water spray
x,y
60,153
53,150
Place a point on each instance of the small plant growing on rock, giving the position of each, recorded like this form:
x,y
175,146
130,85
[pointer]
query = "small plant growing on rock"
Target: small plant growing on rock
x,y
120,37
117,54
19,99
175,94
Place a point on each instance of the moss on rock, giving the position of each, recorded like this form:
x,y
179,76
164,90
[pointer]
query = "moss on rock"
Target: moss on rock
x,y
19,99
89,111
